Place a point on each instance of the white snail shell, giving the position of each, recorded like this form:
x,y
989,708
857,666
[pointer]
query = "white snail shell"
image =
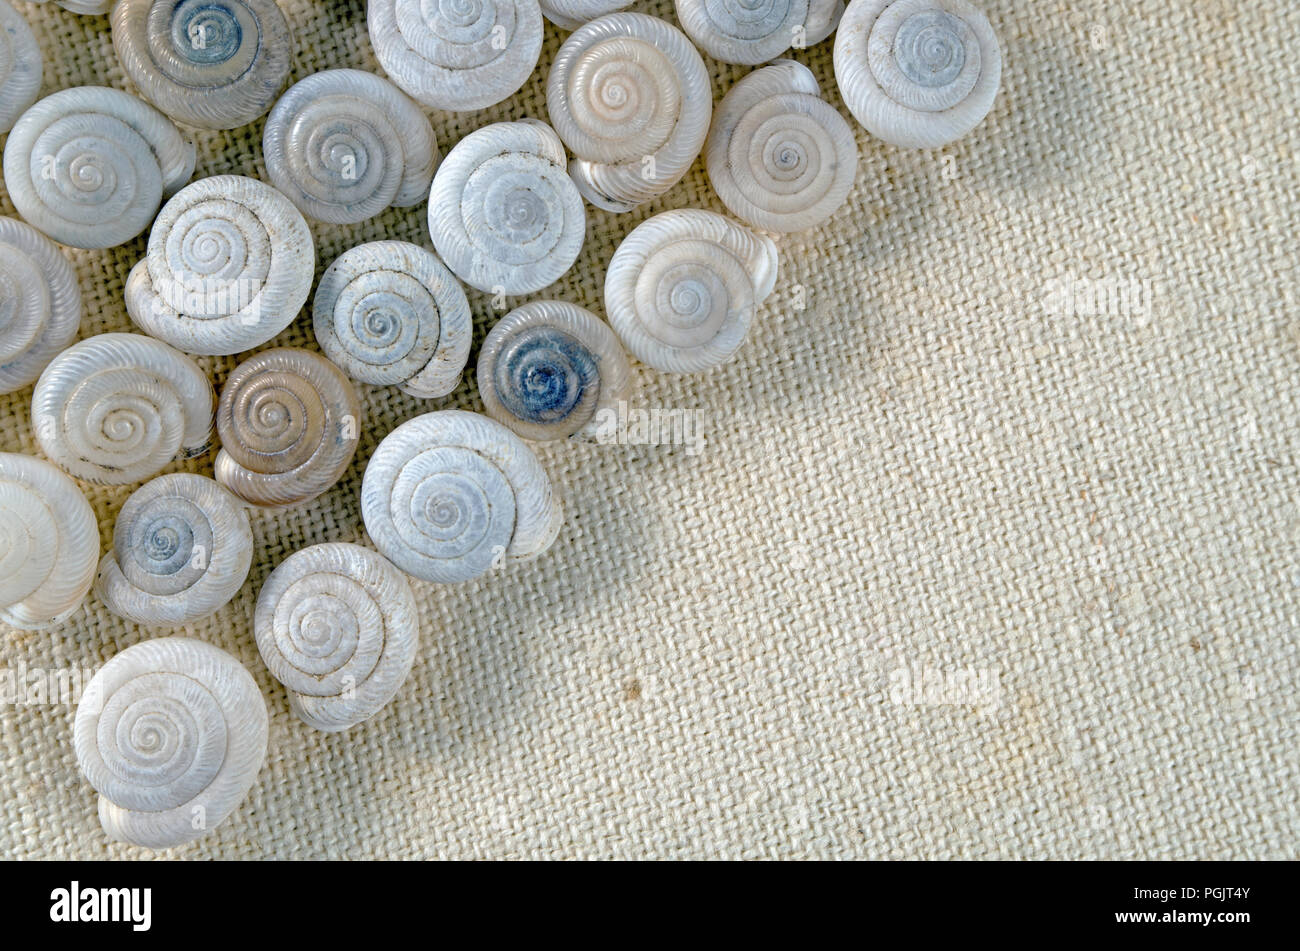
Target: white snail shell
x,y
49,543
743,31
447,495
548,367
389,312
779,156
338,625
571,14
115,408
229,265
630,97
503,212
917,73
89,166
289,423
215,64
86,7
456,56
171,733
40,303
823,18
345,144
20,65
683,287
182,547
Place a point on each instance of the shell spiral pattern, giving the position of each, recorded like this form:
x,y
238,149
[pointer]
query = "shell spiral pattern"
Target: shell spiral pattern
x,y
503,212
171,733
182,547
40,303
917,73
289,423
779,156
683,287
115,408
49,543
547,368
90,166
630,97
215,64
20,65
345,144
456,55
571,14
338,625
390,312
743,31
449,494
229,265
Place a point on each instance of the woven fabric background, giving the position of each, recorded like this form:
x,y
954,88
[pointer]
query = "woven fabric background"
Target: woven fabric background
x,y
916,463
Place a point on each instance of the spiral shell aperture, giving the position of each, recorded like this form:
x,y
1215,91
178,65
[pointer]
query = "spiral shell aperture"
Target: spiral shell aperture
x,y
456,55
630,97
338,625
683,287
171,733
917,73
49,543
229,265
89,166
40,303
389,312
779,156
182,547
547,368
20,65
115,408
214,64
289,422
343,145
571,14
448,495
503,213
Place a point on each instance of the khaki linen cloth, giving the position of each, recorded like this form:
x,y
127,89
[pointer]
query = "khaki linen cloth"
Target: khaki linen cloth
x,y
1018,423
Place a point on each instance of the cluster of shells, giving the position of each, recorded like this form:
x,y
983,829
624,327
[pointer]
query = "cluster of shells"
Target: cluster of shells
x,y
174,728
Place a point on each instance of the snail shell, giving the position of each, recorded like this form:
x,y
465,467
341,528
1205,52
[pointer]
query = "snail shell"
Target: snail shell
x,y
337,624
823,17
503,212
40,303
456,56
171,733
289,423
344,145
390,312
49,543
779,156
547,368
917,73
682,288
182,547
229,265
630,97
215,64
571,14
743,31
447,495
89,166
20,66
86,7
116,408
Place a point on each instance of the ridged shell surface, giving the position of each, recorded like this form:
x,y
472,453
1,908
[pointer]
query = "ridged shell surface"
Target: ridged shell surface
x,y
449,495
89,166
171,733
116,408
49,543
743,31
389,312
40,303
20,66
571,14
229,265
289,422
338,625
182,547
